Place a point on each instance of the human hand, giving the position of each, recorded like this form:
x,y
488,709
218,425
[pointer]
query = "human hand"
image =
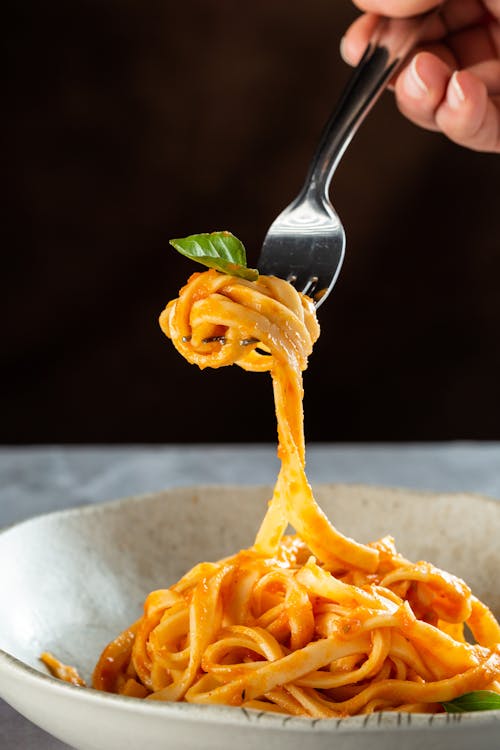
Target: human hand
x,y
451,83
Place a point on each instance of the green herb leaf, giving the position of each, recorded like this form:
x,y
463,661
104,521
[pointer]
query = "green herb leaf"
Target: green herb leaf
x,y
220,250
479,700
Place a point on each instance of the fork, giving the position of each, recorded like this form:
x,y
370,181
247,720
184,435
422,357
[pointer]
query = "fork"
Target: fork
x,y
306,243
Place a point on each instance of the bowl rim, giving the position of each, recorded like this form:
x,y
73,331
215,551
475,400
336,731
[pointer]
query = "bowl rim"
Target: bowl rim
x,y
98,507
235,715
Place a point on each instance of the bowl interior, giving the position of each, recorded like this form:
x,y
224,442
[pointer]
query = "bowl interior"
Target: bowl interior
x,y
81,576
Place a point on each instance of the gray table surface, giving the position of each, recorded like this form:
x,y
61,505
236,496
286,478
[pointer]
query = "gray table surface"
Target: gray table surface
x,y
38,480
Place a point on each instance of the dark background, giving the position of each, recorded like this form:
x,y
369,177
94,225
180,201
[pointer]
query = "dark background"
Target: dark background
x,y
129,123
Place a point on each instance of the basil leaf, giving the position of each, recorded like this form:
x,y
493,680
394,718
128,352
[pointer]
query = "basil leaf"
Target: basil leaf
x,y
479,700
220,250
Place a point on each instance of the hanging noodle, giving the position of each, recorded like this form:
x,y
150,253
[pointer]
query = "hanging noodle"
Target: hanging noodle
x,y
314,624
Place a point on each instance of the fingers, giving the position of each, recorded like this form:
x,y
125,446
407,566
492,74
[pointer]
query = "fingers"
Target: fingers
x,y
467,115
465,104
489,73
356,38
395,7
458,104
469,39
421,88
361,32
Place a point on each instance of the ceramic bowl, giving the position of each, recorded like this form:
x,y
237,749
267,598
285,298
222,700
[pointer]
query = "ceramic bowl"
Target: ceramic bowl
x,y
70,581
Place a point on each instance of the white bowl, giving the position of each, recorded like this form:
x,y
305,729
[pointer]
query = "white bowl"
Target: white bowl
x,y
70,581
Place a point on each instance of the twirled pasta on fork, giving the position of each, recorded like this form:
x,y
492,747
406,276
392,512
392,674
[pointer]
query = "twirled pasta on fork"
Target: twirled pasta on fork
x,y
312,624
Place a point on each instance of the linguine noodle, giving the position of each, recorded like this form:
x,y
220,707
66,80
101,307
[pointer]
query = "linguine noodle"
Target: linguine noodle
x,y
313,624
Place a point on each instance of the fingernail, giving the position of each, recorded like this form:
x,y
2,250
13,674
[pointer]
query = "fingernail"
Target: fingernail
x,y
415,86
343,54
343,51
455,94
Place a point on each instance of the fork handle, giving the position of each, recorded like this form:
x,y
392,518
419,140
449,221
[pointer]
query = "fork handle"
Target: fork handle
x,y
392,41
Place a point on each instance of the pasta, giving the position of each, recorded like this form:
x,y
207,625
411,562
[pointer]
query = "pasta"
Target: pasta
x,y
309,624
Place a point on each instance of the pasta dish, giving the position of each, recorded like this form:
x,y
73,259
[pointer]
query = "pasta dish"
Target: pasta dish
x,y
311,623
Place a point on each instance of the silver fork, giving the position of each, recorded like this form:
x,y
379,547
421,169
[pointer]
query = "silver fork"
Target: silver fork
x,y
306,243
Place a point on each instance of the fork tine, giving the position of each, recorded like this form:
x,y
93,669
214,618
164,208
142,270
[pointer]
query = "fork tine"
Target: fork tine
x,y
310,285
305,245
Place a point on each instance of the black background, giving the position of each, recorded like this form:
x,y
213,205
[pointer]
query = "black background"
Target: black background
x,y
129,123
